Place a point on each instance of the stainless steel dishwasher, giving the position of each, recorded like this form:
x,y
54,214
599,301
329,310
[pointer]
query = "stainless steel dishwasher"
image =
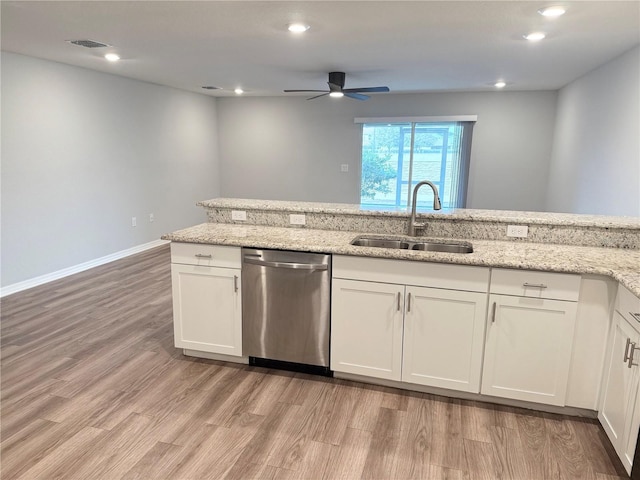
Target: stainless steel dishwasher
x,y
286,309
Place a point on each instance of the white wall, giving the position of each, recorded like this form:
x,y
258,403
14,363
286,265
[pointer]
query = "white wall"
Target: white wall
x,y
595,164
287,148
83,152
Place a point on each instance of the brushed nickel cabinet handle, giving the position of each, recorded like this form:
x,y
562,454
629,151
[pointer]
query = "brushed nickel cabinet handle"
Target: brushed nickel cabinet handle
x,y
493,313
201,255
235,283
626,350
398,301
533,285
632,351
409,302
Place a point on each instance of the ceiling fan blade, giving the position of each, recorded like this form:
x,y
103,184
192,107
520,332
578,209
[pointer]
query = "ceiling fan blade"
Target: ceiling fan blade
x,y
317,96
291,91
367,89
357,96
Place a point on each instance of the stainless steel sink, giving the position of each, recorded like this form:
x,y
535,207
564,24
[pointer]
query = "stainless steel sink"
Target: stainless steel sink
x,y
407,244
443,247
380,242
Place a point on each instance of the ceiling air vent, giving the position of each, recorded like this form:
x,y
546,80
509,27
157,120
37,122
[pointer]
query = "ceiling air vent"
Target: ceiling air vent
x,y
88,43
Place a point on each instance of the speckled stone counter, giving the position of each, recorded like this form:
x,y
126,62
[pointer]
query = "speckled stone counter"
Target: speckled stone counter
x,y
621,264
548,228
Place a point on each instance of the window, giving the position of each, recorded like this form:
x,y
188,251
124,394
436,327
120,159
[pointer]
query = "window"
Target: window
x,y
398,153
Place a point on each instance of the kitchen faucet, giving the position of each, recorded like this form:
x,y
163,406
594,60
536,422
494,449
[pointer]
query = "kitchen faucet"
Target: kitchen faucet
x,y
413,226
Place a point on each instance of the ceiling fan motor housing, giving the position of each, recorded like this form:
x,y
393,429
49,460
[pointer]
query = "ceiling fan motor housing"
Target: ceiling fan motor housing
x,y
336,81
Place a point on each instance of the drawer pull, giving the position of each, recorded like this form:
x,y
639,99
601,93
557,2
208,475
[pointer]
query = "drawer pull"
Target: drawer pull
x,y
493,313
202,255
533,285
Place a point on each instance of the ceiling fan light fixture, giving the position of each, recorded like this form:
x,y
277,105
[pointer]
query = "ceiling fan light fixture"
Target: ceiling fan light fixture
x,y
298,27
336,94
552,12
535,36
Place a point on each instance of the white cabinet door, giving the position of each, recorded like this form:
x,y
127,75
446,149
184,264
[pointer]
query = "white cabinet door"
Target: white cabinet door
x,y
528,348
631,432
207,311
443,338
620,385
366,328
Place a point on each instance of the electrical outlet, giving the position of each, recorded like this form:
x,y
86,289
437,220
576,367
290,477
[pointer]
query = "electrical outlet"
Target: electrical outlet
x,y
134,222
297,219
239,215
151,218
344,167
517,231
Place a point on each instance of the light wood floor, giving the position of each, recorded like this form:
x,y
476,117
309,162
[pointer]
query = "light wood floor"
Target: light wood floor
x,y
92,388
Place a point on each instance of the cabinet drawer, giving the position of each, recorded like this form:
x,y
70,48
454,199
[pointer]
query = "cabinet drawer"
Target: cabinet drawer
x,y
206,255
629,306
526,283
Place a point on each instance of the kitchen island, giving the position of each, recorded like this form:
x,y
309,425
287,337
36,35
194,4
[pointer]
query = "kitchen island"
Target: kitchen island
x,y
542,321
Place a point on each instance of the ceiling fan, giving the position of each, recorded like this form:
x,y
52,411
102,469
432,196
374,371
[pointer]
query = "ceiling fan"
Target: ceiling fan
x,y
336,88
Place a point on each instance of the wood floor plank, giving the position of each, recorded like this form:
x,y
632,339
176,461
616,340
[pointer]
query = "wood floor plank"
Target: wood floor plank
x,y
414,451
348,459
365,412
447,447
92,387
154,463
380,460
567,449
67,456
509,459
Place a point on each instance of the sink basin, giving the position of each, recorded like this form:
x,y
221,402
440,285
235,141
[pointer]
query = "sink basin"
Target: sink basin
x,y
380,242
443,247
406,244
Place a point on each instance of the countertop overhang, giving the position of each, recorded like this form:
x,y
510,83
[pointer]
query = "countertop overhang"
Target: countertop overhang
x,y
622,265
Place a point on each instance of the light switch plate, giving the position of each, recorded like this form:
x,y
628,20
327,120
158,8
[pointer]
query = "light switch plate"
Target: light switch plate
x,y
239,215
520,231
297,219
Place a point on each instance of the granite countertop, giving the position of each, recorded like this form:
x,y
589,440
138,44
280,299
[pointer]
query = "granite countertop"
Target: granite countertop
x,y
622,265
460,214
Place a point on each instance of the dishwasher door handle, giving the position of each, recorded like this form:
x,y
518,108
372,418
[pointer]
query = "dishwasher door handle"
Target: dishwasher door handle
x,y
297,266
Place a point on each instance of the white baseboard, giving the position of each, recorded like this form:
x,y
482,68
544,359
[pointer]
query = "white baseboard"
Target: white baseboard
x,y
65,272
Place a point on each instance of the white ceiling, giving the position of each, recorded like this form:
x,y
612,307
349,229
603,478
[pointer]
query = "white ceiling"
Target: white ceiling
x,y
415,46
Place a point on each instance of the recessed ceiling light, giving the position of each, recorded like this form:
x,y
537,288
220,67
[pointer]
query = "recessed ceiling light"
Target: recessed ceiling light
x,y
552,11
239,91
500,84
535,37
298,27
112,57
336,94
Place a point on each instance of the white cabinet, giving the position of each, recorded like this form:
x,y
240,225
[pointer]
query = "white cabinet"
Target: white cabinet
x,y
366,328
207,308
619,411
410,333
530,335
443,338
